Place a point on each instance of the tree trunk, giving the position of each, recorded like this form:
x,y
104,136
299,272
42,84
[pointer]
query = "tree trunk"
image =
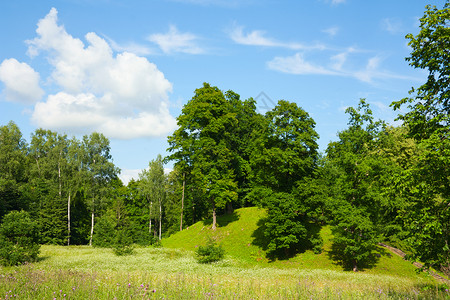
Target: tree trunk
x,y
160,217
182,202
59,175
92,228
68,220
214,218
355,266
150,218
230,208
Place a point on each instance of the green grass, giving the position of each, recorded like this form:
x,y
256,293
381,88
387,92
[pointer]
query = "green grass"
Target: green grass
x,y
156,273
239,234
172,272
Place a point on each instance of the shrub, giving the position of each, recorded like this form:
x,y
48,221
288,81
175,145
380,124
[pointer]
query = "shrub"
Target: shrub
x,y
210,253
19,239
123,243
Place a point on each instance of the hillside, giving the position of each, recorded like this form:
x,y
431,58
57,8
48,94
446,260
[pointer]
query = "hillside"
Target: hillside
x,y
240,235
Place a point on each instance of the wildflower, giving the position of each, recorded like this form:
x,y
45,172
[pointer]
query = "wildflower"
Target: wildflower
x,y
154,291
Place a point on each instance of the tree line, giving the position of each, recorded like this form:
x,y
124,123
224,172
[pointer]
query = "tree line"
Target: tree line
x,y
376,183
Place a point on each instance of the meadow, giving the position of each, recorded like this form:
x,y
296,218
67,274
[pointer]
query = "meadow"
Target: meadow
x,y
172,271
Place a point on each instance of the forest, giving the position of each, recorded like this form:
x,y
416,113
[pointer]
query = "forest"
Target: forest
x,y
375,183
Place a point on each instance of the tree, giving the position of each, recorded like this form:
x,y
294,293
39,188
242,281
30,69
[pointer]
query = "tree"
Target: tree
x,y
356,208
50,172
19,239
153,185
428,118
13,170
97,171
200,147
284,154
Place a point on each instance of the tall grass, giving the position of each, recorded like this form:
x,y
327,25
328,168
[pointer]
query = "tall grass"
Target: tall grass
x,y
159,273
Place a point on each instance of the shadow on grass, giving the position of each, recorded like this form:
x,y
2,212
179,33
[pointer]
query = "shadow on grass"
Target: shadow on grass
x,y
261,241
42,258
336,254
223,220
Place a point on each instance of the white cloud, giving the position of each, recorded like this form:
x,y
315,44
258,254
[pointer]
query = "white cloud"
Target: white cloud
x,y
21,82
258,38
131,47
392,26
336,2
331,31
127,175
122,96
340,59
174,41
297,65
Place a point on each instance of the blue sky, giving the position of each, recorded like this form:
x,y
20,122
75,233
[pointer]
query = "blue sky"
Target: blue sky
x,y
126,68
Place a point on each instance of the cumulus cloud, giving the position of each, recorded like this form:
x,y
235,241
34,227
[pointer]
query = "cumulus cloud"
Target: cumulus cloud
x,y
174,41
21,82
122,96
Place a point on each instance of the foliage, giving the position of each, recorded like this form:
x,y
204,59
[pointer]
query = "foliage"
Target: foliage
x,y
13,170
19,239
200,146
123,243
356,207
210,253
285,153
425,184
104,232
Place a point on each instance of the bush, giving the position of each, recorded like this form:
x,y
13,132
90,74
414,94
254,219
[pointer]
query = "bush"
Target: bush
x,y
123,243
19,239
210,253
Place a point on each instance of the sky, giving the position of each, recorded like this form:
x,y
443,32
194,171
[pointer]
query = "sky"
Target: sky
x,y
125,68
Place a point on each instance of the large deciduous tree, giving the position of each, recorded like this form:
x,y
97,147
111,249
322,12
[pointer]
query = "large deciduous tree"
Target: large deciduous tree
x,y
200,146
427,183
284,155
356,208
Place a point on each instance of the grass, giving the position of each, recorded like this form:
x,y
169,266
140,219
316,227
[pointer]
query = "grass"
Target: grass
x,y
240,234
81,272
171,272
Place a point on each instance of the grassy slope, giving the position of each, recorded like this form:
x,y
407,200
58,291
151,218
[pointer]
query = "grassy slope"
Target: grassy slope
x,y
238,234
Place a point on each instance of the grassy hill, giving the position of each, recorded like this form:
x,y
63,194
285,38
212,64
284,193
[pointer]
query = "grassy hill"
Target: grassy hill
x,y
240,234
172,272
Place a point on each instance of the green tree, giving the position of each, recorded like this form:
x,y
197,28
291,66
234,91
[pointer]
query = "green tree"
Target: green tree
x,y
284,155
50,175
13,170
97,172
428,118
153,186
19,239
356,206
199,147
